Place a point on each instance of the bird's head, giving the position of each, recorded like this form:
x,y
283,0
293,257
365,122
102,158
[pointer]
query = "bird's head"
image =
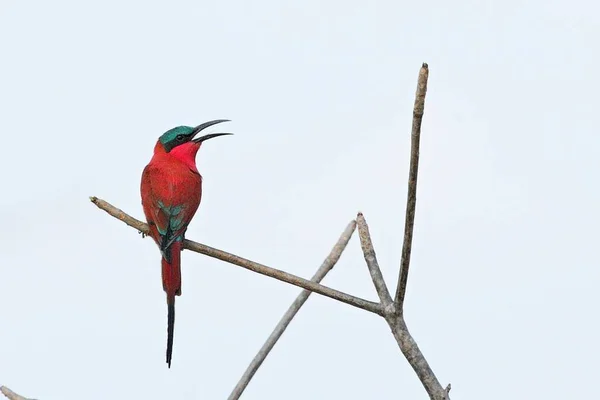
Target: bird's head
x,y
183,138
182,144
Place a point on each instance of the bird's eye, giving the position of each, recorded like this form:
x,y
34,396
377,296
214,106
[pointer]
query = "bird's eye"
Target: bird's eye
x,y
179,138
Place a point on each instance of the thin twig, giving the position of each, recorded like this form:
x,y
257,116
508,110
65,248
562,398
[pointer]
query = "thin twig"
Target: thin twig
x,y
411,201
371,259
11,395
327,265
447,392
407,344
247,264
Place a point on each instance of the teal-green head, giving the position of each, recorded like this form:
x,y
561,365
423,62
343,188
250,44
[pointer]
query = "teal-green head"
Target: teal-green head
x,y
185,134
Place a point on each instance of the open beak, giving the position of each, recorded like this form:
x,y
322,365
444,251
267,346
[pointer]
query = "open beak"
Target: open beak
x,y
209,136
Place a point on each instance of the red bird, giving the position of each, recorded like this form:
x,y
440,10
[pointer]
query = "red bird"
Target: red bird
x,y
171,191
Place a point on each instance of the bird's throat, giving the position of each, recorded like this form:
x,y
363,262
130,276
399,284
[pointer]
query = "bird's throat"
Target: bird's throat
x,y
186,153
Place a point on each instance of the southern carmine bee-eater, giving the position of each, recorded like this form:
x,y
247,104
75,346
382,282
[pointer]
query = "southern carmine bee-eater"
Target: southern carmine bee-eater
x,y
171,191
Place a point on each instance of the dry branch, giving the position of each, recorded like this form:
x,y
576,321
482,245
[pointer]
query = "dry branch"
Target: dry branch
x,y
244,263
12,395
374,270
327,265
396,322
411,202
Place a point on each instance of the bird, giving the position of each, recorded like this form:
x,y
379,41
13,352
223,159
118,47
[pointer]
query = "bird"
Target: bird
x,y
171,189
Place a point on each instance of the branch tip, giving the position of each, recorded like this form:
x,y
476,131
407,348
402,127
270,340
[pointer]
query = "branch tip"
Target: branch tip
x,y
446,395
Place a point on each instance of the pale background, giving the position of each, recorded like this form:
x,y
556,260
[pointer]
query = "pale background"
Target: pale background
x,y
502,292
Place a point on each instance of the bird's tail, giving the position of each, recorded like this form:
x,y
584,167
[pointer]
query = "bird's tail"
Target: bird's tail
x,y
171,277
170,328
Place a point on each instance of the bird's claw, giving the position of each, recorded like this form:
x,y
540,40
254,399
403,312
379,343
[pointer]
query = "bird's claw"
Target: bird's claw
x,y
143,234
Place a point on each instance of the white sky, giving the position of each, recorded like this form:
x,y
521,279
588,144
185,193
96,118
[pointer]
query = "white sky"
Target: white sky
x,y
502,294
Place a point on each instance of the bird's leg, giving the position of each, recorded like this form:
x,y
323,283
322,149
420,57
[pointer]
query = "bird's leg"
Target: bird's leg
x,y
145,234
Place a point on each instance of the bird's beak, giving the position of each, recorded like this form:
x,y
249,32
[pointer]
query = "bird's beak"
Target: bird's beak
x,y
212,135
206,125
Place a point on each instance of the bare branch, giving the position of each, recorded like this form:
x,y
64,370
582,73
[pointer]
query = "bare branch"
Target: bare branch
x,y
405,341
374,270
327,265
12,395
411,201
247,264
396,322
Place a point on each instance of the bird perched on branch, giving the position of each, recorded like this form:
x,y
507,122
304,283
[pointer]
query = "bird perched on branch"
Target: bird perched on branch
x,y
171,190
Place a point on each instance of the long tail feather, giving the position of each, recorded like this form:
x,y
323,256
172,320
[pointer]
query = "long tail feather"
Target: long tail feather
x,y
171,277
170,329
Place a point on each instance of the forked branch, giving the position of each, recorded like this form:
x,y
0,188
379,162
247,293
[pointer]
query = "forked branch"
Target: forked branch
x,y
405,341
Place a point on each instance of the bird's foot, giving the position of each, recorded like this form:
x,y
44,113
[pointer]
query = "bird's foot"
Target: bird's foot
x,y
143,234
